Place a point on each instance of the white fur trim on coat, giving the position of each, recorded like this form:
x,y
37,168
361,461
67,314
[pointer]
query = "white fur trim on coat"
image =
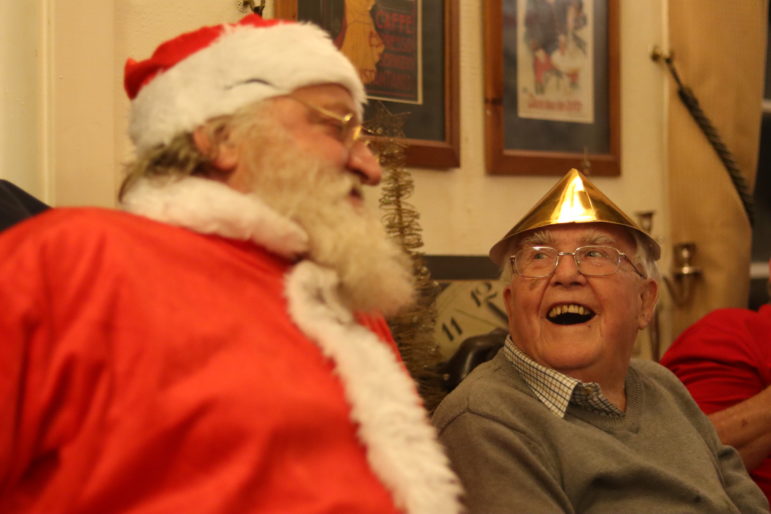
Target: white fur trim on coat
x,y
208,207
401,444
244,65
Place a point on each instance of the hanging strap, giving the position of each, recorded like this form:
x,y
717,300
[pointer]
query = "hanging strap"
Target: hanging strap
x,y
726,157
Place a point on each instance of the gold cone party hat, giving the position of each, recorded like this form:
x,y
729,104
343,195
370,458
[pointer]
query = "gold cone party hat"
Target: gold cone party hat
x,y
572,200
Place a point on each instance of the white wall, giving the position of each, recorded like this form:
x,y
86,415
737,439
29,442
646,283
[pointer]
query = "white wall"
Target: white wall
x,y
82,77
22,106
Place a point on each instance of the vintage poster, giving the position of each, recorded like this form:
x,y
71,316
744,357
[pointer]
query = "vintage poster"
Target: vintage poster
x,y
406,53
383,40
555,60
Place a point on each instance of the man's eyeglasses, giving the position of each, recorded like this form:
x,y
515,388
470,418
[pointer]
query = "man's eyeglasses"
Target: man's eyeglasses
x,y
592,261
351,129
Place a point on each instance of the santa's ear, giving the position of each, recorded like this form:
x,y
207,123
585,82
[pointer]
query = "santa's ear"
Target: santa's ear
x,y
223,152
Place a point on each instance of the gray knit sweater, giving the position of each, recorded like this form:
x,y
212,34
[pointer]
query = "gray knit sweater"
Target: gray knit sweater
x,y
663,456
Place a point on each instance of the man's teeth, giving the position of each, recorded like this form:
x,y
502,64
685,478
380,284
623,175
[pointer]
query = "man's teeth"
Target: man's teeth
x,y
571,308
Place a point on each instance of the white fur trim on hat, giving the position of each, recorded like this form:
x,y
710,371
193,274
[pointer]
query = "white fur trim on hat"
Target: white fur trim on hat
x,y
244,65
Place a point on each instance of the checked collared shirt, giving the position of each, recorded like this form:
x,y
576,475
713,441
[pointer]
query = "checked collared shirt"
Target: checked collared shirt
x,y
556,390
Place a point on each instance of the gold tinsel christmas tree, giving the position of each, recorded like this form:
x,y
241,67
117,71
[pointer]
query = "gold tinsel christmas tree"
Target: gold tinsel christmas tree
x,y
413,328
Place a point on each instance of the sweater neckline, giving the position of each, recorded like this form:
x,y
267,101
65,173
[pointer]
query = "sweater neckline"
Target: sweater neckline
x,y
635,404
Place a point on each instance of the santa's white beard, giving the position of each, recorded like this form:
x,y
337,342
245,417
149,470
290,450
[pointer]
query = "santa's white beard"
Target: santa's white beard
x,y
375,275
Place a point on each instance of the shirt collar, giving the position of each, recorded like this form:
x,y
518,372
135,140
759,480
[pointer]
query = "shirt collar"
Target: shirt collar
x,y
557,390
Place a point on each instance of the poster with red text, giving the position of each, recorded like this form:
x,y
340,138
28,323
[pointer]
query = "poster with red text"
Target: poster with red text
x,y
383,40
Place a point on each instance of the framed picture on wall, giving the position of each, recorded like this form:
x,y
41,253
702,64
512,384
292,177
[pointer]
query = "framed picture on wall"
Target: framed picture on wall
x,y
552,86
406,52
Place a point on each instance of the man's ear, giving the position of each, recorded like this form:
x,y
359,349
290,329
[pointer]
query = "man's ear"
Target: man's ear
x,y
224,156
506,298
648,298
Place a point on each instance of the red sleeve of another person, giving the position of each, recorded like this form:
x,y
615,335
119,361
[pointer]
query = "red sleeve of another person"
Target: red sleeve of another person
x,y
723,358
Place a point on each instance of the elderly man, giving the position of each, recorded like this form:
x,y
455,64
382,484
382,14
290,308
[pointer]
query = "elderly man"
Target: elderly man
x,y
724,360
562,419
204,351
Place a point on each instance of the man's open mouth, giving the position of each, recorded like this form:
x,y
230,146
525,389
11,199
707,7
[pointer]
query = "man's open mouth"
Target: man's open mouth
x,y
569,314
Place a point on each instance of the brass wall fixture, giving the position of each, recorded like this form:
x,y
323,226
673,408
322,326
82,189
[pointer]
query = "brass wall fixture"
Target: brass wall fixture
x,y
680,286
645,220
684,272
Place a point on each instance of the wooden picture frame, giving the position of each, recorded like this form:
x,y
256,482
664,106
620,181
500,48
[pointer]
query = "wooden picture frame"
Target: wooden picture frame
x,y
432,125
552,99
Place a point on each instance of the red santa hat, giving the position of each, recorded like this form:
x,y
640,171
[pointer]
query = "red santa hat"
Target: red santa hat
x,y
215,70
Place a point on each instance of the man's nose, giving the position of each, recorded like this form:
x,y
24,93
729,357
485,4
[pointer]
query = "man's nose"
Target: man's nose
x,y
567,270
363,162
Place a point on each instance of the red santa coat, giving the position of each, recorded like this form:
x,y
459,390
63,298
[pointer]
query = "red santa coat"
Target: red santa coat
x,y
148,367
723,359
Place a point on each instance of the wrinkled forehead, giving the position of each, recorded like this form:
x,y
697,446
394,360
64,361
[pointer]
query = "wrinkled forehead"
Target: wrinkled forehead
x,y
569,236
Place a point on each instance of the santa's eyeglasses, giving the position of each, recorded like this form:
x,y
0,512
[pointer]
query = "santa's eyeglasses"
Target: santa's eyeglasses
x,y
349,127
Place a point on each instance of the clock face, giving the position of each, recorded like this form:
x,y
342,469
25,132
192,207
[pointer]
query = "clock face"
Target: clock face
x,y
467,308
